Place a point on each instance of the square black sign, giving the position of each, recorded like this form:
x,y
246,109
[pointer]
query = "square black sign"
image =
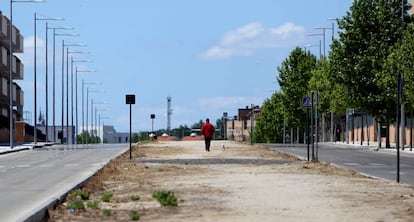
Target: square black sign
x,y
130,99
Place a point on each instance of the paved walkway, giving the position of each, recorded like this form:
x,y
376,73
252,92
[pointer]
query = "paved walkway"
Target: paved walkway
x,y
4,149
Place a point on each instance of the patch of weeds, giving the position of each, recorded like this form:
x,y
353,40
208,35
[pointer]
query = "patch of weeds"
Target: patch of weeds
x,y
107,196
165,198
82,194
134,215
135,197
77,204
107,212
93,204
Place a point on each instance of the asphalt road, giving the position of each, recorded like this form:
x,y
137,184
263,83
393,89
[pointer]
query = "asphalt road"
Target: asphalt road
x,y
33,179
380,164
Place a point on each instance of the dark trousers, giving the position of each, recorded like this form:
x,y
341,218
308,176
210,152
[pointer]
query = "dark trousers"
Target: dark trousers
x,y
207,141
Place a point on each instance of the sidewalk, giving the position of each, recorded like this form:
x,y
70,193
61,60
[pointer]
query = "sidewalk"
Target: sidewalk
x,y
373,146
4,149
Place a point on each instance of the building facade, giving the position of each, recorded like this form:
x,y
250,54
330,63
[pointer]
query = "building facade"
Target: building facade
x,y
239,128
17,74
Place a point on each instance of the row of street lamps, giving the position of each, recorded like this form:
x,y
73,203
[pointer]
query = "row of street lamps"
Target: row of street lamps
x,y
323,34
77,70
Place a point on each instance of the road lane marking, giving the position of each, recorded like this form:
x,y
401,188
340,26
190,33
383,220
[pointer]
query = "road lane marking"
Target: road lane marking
x,y
376,164
96,164
22,166
395,172
72,165
351,164
47,165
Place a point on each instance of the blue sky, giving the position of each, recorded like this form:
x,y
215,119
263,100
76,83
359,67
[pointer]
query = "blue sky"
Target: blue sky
x,y
210,56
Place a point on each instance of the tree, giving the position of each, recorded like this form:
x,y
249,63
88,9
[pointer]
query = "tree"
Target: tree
x,y
135,138
369,31
320,82
401,60
220,127
197,125
181,131
269,124
294,75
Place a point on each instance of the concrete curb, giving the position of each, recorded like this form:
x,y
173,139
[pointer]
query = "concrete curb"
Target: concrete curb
x,y
40,213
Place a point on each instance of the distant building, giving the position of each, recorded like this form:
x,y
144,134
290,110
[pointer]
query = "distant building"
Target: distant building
x,y
107,134
62,135
239,127
17,74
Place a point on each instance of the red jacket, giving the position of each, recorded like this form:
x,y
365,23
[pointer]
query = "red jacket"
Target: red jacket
x,y
207,130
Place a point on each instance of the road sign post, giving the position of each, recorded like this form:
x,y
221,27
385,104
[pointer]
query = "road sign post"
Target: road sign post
x,y
130,99
306,103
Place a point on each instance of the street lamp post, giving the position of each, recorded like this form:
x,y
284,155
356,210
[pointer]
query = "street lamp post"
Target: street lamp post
x,y
323,33
316,34
333,27
35,75
87,101
71,72
103,124
320,50
11,54
54,76
63,87
83,108
94,117
98,123
76,96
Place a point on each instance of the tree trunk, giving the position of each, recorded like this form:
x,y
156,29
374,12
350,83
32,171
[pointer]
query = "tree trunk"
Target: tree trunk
x,y
362,129
387,140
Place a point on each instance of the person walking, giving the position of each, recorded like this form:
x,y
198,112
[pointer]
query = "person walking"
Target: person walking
x,y
207,130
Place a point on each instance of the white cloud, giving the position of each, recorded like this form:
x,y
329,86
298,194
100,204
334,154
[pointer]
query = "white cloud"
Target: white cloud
x,y
27,56
244,40
226,102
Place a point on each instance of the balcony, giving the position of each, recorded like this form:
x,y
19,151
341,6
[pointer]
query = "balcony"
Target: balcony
x,y
4,58
18,95
3,26
4,91
18,69
17,38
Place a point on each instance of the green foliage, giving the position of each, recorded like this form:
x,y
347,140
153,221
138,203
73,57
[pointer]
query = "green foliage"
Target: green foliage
x,y
85,137
401,60
165,198
80,193
107,212
294,75
135,197
197,125
76,204
320,82
269,124
135,138
181,131
134,215
93,204
107,196
370,30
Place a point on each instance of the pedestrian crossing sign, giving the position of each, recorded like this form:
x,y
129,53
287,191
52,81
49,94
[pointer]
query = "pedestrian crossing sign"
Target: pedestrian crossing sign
x,y
306,102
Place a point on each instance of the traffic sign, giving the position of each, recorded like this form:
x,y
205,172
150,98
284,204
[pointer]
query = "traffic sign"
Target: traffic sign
x,y
306,102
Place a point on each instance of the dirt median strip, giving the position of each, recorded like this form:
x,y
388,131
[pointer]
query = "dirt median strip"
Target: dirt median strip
x,y
242,183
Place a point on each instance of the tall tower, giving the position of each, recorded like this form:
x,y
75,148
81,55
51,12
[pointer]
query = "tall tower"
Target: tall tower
x,y
169,113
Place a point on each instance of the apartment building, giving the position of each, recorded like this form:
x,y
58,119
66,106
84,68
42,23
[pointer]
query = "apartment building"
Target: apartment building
x,y
17,74
239,127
